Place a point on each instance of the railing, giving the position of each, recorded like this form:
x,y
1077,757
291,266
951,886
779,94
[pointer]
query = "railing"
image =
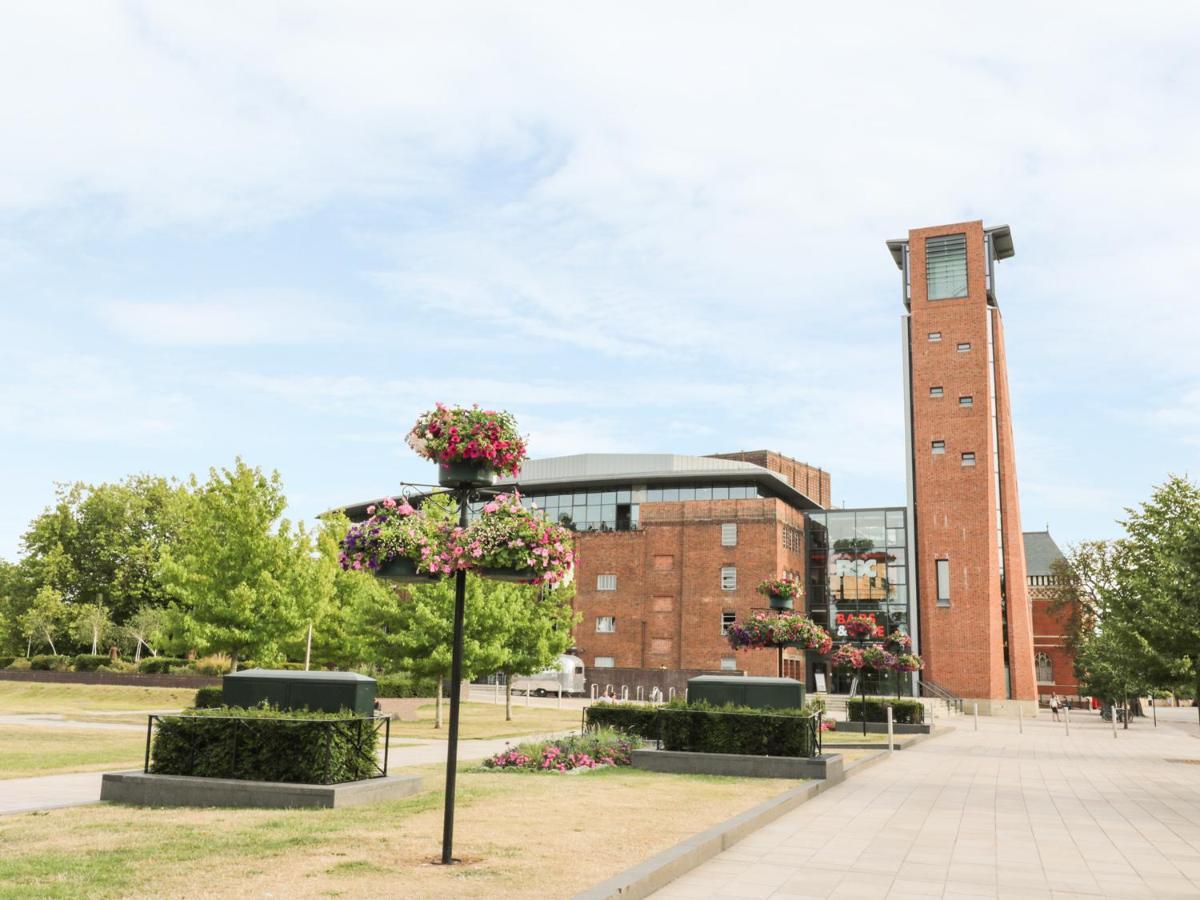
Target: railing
x,y
364,740
935,691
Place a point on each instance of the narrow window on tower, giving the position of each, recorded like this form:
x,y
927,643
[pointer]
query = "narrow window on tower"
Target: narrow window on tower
x,y
968,459
964,348
939,447
935,392
946,266
966,401
943,582
935,336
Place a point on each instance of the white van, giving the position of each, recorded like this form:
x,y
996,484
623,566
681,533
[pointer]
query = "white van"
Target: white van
x,y
567,675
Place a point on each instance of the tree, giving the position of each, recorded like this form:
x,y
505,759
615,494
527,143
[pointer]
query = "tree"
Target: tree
x,y
538,626
45,618
243,578
145,627
90,622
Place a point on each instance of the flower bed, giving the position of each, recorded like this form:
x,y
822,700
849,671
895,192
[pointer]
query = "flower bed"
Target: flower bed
x,y
603,747
456,434
762,630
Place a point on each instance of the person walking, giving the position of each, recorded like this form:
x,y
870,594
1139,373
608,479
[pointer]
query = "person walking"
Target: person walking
x,y
1054,706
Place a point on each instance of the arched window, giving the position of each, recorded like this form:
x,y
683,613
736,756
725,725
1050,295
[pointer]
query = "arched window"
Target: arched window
x,y
1045,671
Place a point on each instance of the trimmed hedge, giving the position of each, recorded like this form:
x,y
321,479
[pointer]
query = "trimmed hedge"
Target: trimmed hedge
x,y
904,712
297,747
160,665
50,663
400,686
702,728
90,662
6,661
209,698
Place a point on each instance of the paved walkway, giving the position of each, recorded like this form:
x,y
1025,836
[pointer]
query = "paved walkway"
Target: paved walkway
x,y
991,813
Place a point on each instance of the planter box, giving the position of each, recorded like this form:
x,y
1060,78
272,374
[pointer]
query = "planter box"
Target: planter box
x,y
827,767
143,789
881,728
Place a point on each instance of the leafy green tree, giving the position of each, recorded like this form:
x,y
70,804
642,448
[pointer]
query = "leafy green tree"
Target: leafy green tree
x,y
45,618
243,578
146,628
90,622
538,625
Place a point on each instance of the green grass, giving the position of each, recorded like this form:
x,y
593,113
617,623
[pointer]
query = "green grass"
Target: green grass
x,y
79,700
28,750
479,721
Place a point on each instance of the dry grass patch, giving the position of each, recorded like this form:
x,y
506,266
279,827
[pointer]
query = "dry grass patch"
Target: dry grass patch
x,y
27,750
478,721
72,700
520,835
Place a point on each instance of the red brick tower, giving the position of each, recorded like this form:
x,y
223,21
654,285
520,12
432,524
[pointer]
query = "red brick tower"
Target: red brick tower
x,y
975,627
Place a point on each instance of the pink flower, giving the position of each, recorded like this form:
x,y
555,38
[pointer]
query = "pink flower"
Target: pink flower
x,y
371,510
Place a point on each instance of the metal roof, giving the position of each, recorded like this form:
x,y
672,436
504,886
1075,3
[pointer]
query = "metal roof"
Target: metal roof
x,y
1040,552
1002,244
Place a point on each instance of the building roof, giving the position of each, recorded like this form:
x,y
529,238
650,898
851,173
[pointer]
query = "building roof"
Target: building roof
x,y
1040,552
1002,244
587,469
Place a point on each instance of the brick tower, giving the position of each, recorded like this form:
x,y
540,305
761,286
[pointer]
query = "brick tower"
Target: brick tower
x,y
974,623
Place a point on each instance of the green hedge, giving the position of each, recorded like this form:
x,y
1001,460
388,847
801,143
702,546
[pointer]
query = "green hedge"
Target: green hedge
x,y
90,662
402,685
50,663
209,698
160,665
701,728
266,745
639,720
904,712
6,661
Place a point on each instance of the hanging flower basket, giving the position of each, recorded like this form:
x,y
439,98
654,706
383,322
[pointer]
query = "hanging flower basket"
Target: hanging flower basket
x,y
908,662
470,445
399,543
781,592
762,630
508,538
897,642
403,571
847,657
860,628
877,658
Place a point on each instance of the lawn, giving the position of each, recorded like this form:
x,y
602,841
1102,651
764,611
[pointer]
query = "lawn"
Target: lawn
x,y
518,834
78,700
39,750
478,721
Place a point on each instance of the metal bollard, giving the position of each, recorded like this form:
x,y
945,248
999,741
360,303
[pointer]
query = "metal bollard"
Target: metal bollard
x,y
1067,719
560,696
1020,718
891,747
976,716
496,693
1113,715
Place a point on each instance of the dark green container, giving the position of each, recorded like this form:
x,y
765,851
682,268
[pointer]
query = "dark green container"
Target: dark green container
x,y
752,691
316,691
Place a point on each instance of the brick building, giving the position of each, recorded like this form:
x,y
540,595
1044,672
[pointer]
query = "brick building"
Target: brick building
x,y
976,627
1053,662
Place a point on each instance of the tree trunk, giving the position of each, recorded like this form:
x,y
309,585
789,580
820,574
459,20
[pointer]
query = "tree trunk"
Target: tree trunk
x,y
95,639
28,648
137,652
50,641
233,661
1127,711
437,716
507,698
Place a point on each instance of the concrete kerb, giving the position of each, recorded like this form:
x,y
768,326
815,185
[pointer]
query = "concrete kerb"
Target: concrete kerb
x,y
143,789
660,870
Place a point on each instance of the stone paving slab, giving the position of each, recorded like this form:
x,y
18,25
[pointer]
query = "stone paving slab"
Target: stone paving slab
x,y
993,813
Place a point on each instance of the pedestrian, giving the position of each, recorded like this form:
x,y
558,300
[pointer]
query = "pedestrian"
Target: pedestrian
x,y
1054,706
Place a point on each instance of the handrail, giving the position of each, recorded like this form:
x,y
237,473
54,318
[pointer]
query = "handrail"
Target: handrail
x,y
937,692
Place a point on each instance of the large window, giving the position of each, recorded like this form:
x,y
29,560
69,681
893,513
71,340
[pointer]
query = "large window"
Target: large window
x,y
946,266
943,582
1045,669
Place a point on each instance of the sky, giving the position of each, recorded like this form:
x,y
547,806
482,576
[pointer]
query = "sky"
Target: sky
x,y
283,230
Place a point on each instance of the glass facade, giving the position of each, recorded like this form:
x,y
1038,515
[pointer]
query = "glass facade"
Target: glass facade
x,y
617,508
857,566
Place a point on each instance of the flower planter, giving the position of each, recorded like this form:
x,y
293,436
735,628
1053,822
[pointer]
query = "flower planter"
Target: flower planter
x,y
465,473
779,601
403,571
516,576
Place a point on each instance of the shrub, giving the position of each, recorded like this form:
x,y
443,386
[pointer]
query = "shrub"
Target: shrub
x,y
20,663
90,662
50,663
209,698
603,747
292,666
639,720
117,665
904,712
6,661
700,728
264,744
214,664
159,665
404,685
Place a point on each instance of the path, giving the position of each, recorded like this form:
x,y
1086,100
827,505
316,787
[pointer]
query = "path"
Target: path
x,y
23,795
991,813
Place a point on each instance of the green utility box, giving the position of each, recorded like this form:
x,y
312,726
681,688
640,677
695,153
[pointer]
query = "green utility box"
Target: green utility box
x,y
752,691
316,691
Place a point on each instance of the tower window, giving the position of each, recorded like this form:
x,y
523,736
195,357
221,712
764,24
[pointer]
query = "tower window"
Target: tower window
x,y
966,401
939,447
728,578
964,348
943,582
946,266
935,336
968,459
935,392
729,534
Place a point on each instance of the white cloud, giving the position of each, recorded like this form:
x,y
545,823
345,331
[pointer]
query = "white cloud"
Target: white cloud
x,y
223,322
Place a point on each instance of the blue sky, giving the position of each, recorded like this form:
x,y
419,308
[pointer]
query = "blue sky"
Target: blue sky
x,y
282,231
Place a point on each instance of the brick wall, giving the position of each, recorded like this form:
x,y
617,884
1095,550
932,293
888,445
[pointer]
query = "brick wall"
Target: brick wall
x,y
1049,636
814,483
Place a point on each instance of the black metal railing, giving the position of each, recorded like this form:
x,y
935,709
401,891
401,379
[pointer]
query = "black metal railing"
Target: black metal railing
x,y
935,691
363,732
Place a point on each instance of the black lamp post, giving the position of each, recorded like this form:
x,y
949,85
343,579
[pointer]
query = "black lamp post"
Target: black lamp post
x,y
462,493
